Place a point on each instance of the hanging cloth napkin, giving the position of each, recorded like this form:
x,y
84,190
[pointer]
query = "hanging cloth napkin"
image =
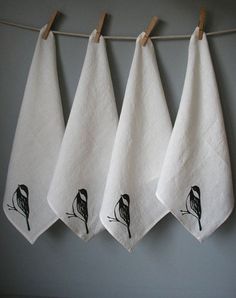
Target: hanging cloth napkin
x,y
79,180
130,208
36,145
195,182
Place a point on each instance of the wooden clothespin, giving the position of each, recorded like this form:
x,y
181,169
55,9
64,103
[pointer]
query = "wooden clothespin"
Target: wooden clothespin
x,y
201,24
50,23
149,29
99,26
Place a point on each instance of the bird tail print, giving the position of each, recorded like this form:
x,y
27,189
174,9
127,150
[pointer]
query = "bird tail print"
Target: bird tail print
x,y
20,202
193,204
80,207
121,213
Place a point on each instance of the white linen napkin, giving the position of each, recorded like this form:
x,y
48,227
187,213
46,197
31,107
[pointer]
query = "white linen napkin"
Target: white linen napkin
x,y
36,145
130,208
78,183
195,182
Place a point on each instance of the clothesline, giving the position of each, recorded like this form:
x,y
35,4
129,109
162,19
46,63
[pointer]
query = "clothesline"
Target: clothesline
x,y
117,37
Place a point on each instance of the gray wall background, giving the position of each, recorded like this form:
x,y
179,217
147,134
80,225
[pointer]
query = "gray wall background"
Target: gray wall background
x,y
168,262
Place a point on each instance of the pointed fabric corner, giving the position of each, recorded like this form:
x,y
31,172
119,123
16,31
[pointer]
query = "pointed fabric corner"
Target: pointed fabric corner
x,y
196,182
78,183
130,208
38,137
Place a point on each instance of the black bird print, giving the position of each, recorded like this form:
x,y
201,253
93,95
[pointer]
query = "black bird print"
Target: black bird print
x,y
121,212
193,204
20,202
80,207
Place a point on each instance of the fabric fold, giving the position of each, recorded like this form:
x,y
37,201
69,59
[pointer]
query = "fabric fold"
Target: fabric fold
x,y
130,208
38,137
196,182
78,183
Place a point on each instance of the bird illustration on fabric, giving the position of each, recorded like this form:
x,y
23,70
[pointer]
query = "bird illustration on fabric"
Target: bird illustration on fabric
x,y
80,207
121,212
193,204
20,202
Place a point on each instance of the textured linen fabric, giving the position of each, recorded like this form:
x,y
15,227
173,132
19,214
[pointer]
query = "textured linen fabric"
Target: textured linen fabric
x,y
195,182
78,183
130,208
38,137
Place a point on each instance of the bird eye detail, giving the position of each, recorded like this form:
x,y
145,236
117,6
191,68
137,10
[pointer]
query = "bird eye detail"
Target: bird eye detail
x,y
193,204
80,207
121,212
20,202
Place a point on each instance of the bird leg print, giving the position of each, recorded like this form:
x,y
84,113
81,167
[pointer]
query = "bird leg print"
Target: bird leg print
x,y
121,212
80,207
20,202
193,204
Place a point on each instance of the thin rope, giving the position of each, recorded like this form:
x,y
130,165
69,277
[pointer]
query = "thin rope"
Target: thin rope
x,y
117,37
